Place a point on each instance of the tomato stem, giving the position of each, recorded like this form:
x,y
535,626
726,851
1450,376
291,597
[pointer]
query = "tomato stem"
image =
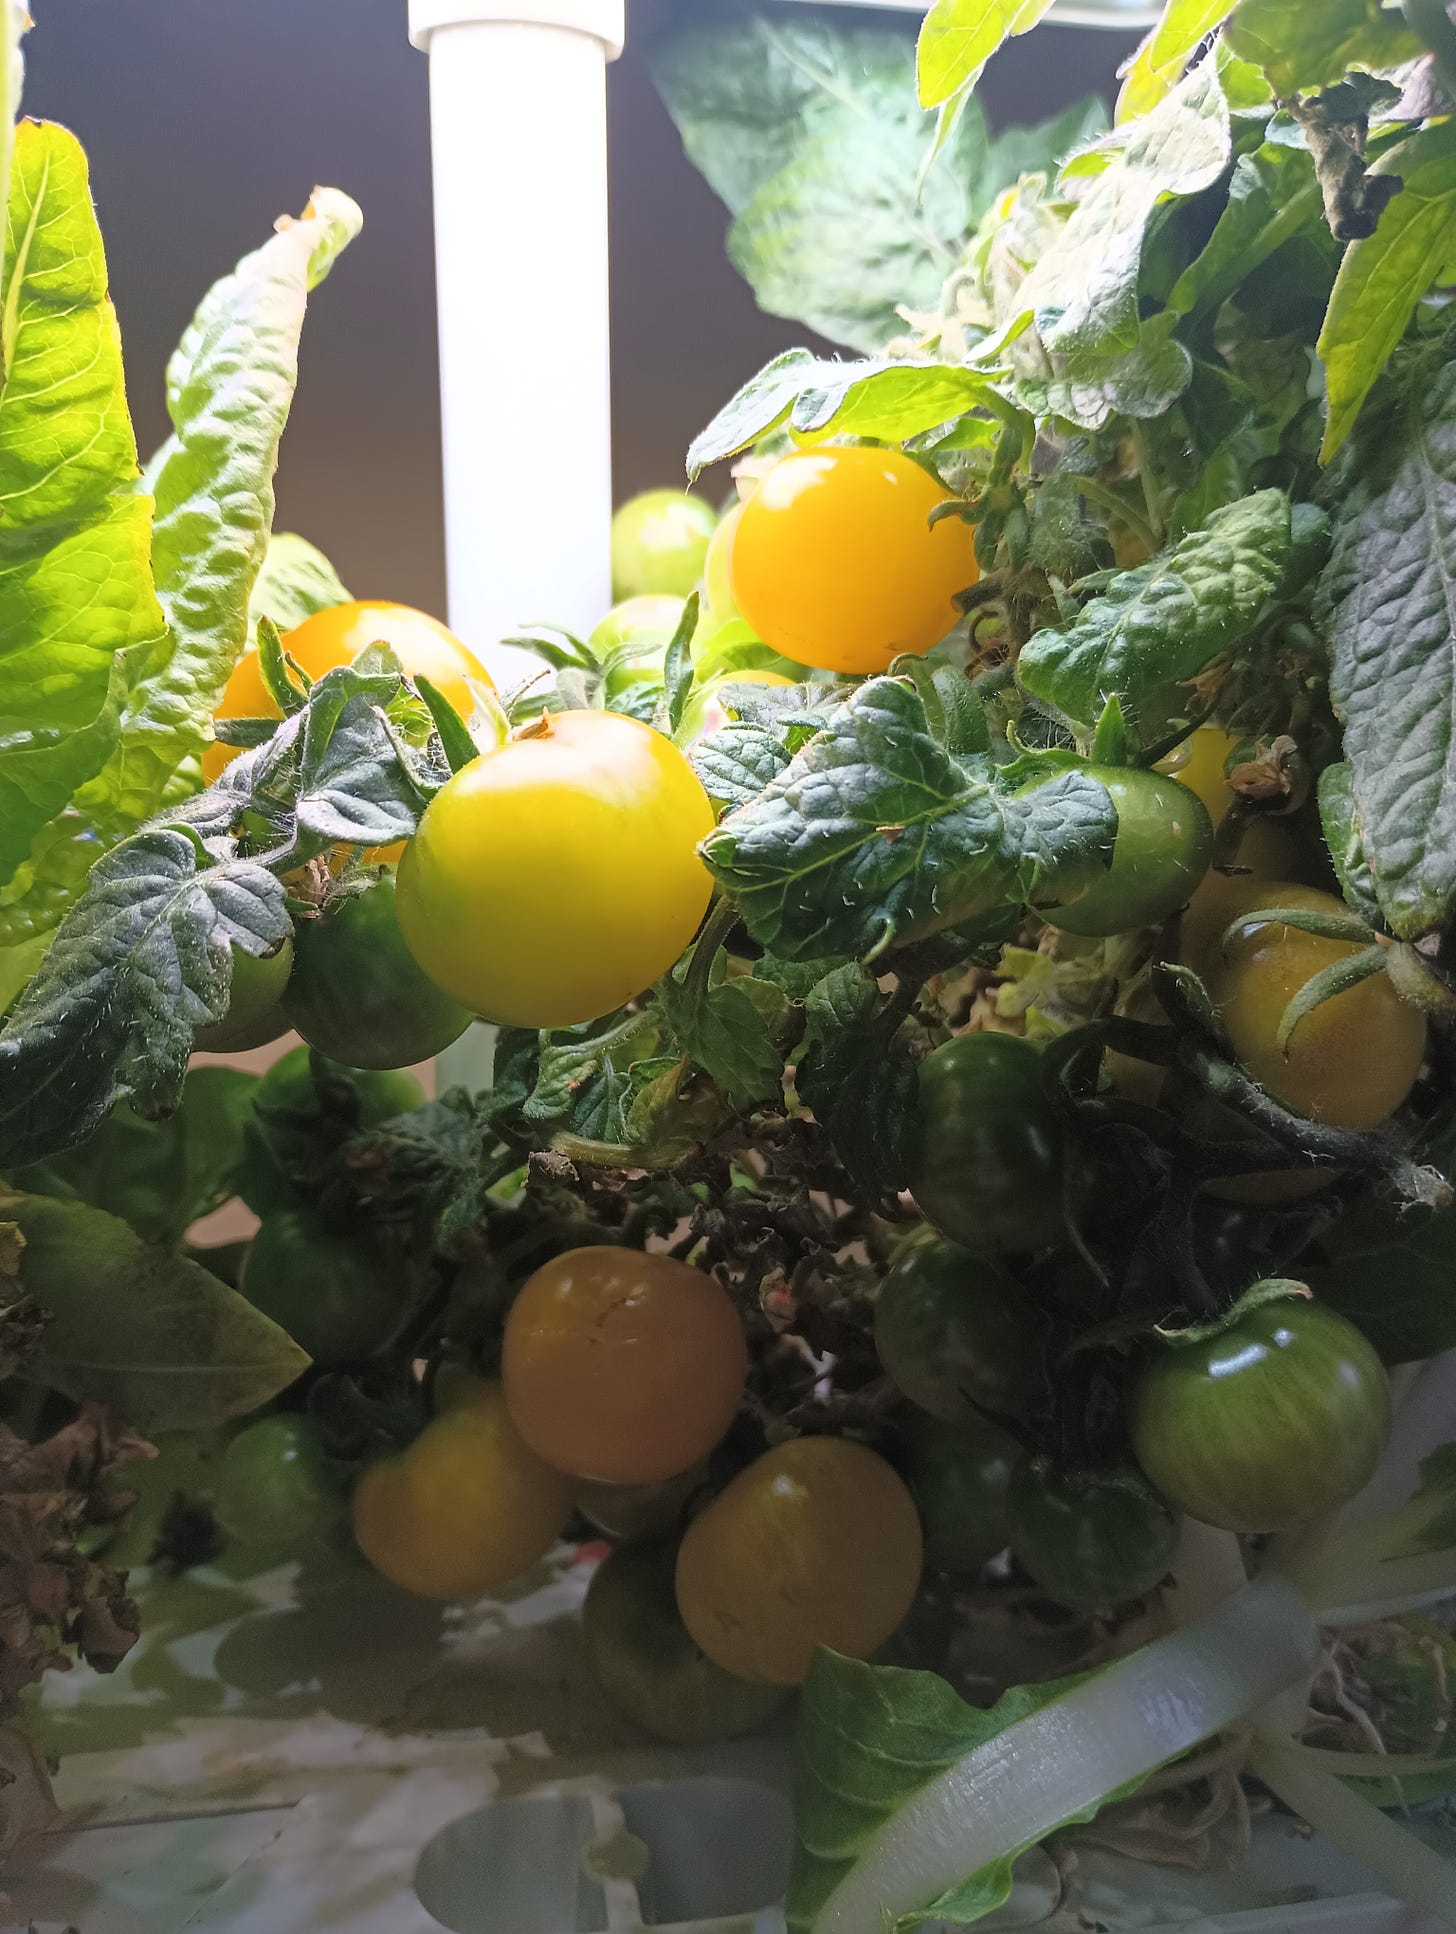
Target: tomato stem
x,y
721,920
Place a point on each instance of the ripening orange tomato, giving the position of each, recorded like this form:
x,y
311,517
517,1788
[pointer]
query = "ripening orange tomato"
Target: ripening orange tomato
x,y
336,637
835,562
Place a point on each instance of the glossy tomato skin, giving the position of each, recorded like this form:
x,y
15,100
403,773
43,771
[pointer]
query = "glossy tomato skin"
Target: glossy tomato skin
x,y
707,710
645,1661
336,637
835,563
553,879
274,1489
340,1300
955,1333
1279,1417
255,1013
359,995
623,1367
659,542
720,607
1095,1538
465,1509
986,1155
959,1476
816,1543
1163,845
1354,1059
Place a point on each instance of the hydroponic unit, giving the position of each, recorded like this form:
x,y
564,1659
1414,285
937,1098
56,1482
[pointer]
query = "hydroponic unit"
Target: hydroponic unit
x,y
1045,1038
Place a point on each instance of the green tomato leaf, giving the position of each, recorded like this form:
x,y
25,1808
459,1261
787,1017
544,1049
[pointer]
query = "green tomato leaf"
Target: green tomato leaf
x,y
1088,389
745,95
294,581
1272,196
1383,277
871,827
159,1176
892,398
874,830
142,961
677,664
859,1082
1302,49
1341,828
1082,293
76,599
738,762
1386,600
1165,53
727,1031
143,1327
958,37
1169,619
590,1079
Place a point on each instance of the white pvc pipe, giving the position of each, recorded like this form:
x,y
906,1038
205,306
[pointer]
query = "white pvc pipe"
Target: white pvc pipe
x,y
519,139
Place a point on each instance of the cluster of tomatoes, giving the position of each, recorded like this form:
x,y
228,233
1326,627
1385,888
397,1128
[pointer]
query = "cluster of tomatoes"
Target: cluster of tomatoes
x,y
556,877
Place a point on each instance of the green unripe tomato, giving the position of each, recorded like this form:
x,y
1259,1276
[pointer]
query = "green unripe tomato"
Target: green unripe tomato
x,y
1277,1417
359,995
955,1333
985,1159
1163,845
274,1488
1094,1538
339,1299
659,543
255,1014
305,1103
644,1660
645,622
959,1477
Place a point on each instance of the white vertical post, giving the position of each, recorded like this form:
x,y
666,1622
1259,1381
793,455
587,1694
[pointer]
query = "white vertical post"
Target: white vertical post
x,y
519,139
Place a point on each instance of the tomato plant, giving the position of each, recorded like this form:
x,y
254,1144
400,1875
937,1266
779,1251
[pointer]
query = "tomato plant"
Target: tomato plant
x,y
835,562
816,1543
340,1299
955,1332
358,994
622,1367
1353,1059
644,1660
959,1476
659,542
275,1491
336,636
556,877
1090,1538
1161,853
466,1508
986,1159
1274,1418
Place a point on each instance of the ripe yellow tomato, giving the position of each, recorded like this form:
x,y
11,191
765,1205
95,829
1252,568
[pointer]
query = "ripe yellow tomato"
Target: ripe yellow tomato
x,y
1198,764
1353,1060
835,563
623,1367
466,1508
336,637
558,875
817,1543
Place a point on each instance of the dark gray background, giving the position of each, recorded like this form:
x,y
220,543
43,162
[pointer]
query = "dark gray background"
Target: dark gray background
x,y
206,118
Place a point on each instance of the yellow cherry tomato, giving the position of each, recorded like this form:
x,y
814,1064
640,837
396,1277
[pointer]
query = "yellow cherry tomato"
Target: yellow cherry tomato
x,y
621,1366
1198,764
720,606
466,1508
1353,1059
336,637
556,876
835,563
817,1543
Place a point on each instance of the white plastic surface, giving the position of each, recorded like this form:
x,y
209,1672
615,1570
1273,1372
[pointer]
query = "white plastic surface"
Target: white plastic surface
x,y
519,141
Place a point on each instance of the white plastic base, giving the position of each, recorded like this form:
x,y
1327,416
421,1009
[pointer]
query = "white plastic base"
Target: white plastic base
x,y
357,1762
